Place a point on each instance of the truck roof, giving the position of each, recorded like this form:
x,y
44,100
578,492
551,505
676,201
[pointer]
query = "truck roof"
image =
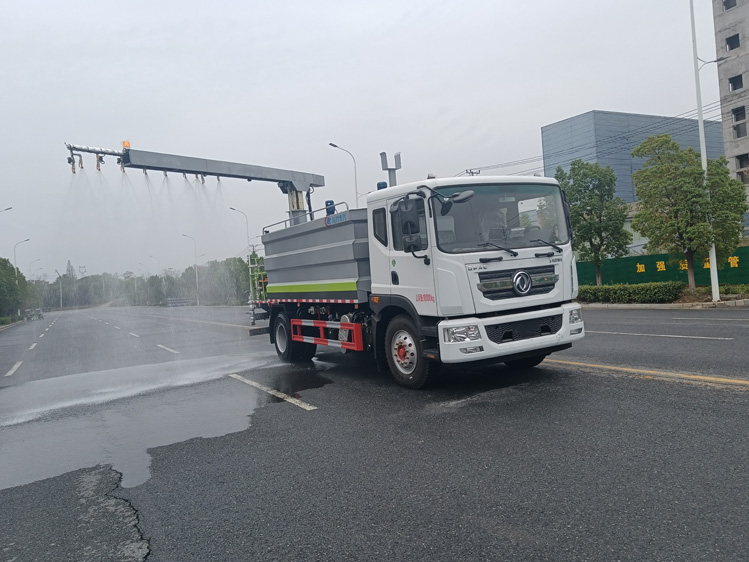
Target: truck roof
x,y
435,183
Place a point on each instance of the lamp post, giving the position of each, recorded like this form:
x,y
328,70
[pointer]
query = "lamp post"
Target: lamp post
x,y
60,277
15,262
703,153
32,263
249,265
6,209
356,184
195,248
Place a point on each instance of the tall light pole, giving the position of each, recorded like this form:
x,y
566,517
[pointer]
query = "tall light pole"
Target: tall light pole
x,y
158,265
60,277
6,209
703,153
356,183
32,263
249,265
15,262
195,247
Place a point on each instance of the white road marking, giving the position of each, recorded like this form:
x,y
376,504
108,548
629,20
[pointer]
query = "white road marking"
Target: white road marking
x,y
33,345
46,329
711,319
276,393
166,348
134,335
658,335
13,369
107,323
41,335
116,327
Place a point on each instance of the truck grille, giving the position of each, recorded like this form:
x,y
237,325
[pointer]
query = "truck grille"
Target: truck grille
x,y
497,285
524,329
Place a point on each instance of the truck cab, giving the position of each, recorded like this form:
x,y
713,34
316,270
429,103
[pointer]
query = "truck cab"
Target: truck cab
x,y
484,265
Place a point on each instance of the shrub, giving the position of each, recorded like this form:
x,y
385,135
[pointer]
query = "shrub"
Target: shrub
x,y
627,294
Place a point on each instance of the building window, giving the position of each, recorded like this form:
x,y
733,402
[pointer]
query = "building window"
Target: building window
x,y
743,177
728,4
742,161
733,42
739,114
736,83
739,131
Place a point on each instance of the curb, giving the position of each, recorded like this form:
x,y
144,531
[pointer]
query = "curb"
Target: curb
x,y
644,306
10,325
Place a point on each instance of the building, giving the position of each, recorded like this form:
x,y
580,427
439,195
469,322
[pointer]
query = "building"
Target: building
x,y
608,138
731,21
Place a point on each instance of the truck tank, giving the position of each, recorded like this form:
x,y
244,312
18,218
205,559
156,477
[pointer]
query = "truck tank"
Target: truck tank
x,y
326,259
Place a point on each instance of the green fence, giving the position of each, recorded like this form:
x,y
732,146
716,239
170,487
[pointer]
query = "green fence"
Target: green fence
x,y
662,267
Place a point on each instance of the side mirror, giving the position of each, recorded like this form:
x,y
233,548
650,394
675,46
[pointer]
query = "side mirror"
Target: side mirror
x,y
461,197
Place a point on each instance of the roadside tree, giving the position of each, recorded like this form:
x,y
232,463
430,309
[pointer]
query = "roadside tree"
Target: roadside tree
x,y
597,216
677,202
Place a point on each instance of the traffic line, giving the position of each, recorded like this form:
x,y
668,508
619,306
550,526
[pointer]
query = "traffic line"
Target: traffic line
x,y
134,335
41,335
107,323
276,393
46,329
708,319
13,369
166,348
659,335
33,345
116,327
658,374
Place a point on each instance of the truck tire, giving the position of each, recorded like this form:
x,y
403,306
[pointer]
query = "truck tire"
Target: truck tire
x,y
403,353
525,363
286,349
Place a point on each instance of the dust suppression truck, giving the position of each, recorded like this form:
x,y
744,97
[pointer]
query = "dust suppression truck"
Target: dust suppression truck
x,y
458,270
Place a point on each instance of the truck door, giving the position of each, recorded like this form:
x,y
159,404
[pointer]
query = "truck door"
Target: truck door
x,y
379,251
411,272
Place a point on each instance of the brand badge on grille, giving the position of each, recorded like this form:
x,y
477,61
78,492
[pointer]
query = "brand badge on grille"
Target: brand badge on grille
x,y
521,282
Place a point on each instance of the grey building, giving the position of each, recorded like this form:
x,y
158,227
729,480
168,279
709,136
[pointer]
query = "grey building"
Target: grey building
x,y
730,18
608,137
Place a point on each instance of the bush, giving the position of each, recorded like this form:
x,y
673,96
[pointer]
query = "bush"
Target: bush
x,y
628,294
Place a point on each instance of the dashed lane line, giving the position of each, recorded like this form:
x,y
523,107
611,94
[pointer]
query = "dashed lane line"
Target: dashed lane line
x,y
276,393
41,335
134,335
655,374
13,369
166,348
33,345
116,327
659,335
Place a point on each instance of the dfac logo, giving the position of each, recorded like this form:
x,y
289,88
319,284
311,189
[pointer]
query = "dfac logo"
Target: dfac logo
x,y
522,283
335,219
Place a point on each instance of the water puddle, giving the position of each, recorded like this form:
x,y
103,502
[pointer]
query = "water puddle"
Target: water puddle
x,y
54,426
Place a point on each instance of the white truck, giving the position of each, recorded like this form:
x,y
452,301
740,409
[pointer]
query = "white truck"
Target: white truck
x,y
457,270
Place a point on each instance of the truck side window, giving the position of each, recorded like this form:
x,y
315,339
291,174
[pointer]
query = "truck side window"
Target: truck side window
x,y
379,224
398,233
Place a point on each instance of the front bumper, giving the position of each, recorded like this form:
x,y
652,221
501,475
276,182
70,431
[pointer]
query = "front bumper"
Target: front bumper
x,y
513,334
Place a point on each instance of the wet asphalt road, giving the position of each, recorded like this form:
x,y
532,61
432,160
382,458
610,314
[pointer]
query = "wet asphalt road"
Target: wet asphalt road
x,y
147,453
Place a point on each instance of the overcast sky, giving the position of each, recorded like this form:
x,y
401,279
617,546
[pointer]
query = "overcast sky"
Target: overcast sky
x,y
450,85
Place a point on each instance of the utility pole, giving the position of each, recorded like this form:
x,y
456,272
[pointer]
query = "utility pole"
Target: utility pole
x,y
714,285
60,277
195,248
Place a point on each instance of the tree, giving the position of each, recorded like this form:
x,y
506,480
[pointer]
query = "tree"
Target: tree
x,y
597,216
677,201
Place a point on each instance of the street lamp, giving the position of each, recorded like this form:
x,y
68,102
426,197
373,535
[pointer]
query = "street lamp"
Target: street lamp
x,y
32,263
15,263
195,248
7,209
158,265
356,184
60,277
714,285
249,266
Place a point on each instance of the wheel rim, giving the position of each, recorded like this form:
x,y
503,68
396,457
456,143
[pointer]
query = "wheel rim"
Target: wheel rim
x,y
282,338
403,350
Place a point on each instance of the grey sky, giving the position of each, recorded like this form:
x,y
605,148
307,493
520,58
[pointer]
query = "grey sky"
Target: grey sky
x,y
451,85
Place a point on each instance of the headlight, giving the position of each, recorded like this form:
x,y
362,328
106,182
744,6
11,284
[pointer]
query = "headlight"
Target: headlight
x,y
462,333
576,316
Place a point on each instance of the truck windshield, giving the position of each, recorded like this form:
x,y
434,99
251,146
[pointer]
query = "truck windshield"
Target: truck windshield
x,y
508,215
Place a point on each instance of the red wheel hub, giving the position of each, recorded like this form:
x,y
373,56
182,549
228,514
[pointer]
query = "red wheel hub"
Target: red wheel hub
x,y
401,353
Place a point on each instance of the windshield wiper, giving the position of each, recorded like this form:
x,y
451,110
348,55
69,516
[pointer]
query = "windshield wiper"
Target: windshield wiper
x,y
513,253
545,243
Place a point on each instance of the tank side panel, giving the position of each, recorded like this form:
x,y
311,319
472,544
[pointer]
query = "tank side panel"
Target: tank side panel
x,y
326,258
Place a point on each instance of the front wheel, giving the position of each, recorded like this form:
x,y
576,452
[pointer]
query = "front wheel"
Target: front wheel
x,y
525,363
403,352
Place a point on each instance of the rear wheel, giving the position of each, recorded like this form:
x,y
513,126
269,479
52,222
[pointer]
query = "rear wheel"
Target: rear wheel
x,y
286,349
403,352
525,363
